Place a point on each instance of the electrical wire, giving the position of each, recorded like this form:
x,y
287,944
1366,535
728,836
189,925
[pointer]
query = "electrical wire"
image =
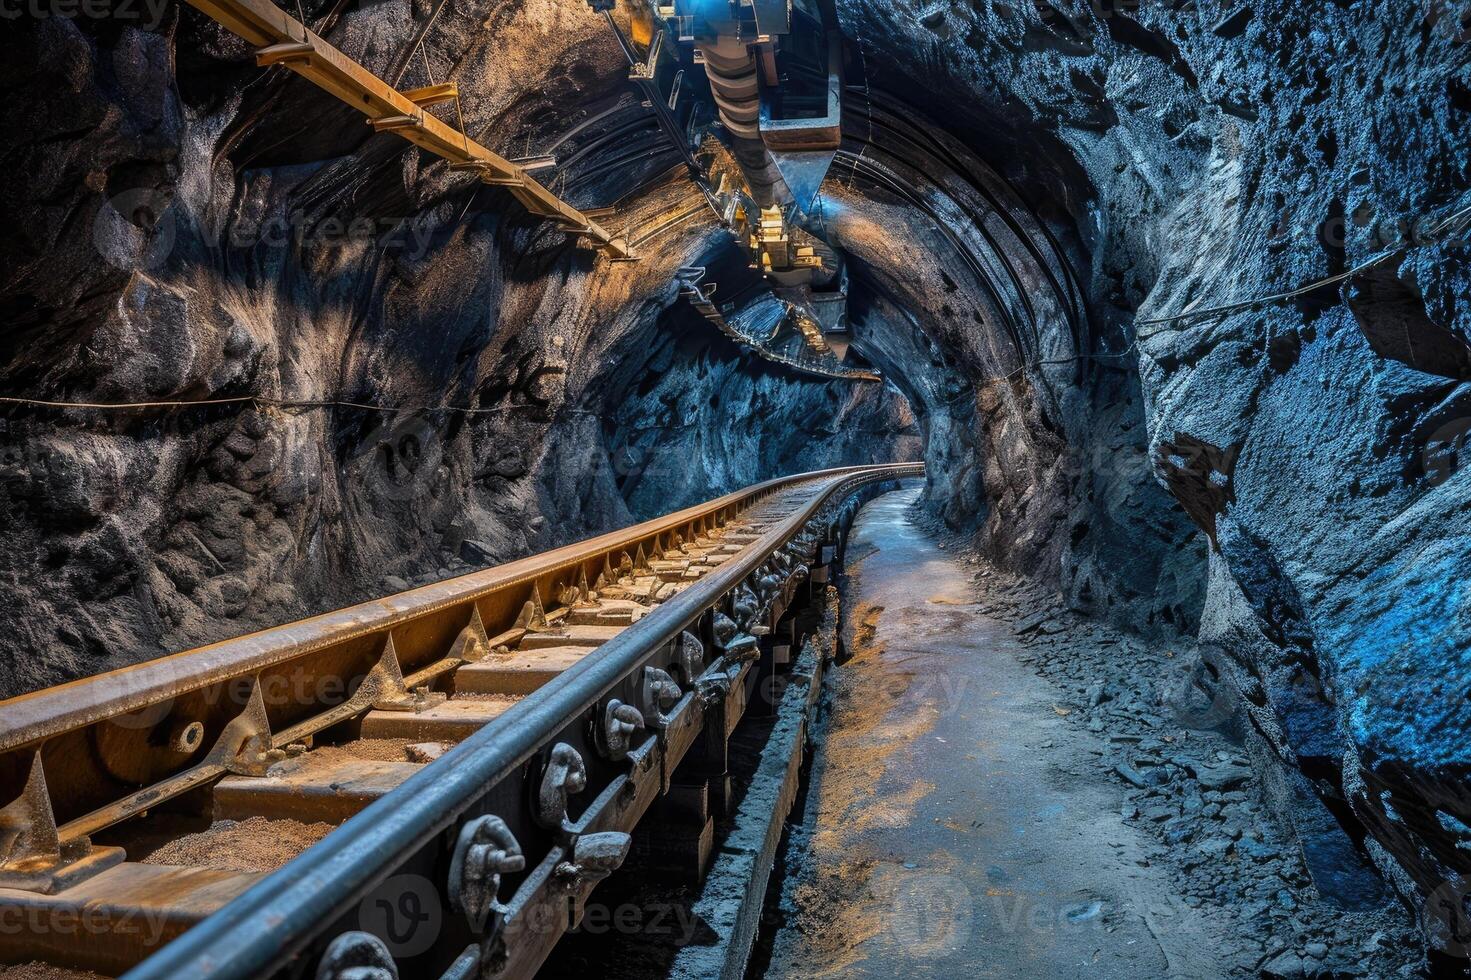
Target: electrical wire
x,y
1444,230
1066,360
274,403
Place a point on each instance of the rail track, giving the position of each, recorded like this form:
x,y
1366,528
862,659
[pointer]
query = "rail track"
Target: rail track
x,y
466,761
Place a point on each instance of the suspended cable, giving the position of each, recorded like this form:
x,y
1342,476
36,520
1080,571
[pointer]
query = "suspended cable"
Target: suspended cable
x,y
1066,360
1445,230
274,403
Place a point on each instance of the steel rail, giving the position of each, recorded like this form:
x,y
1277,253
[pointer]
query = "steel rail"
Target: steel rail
x,y
33,718
267,926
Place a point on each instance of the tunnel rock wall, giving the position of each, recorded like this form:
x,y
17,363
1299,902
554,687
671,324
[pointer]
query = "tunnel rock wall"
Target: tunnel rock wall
x,y
190,227
967,292
1197,155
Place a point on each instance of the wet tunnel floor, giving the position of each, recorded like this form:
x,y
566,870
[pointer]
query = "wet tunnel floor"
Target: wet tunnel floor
x,y
1000,793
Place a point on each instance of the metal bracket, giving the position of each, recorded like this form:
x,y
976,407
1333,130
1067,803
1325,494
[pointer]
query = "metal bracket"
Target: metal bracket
x,y
384,684
690,657
769,583
660,693
578,596
466,966
357,956
737,647
473,643
287,53
245,747
533,616
742,649
614,734
594,857
743,605
33,857
725,629
393,124
565,775
485,850
714,688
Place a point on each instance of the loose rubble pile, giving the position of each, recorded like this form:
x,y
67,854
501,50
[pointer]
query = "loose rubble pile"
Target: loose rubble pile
x,y
1195,792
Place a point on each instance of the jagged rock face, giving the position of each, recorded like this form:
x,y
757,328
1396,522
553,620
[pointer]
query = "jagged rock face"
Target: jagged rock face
x,y
698,420
1283,478
194,228
1216,153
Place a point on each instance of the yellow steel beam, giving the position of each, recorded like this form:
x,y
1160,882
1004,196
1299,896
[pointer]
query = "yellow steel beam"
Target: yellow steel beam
x,y
285,40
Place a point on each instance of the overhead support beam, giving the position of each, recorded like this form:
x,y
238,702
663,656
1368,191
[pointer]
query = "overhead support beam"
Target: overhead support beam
x,y
284,40
433,94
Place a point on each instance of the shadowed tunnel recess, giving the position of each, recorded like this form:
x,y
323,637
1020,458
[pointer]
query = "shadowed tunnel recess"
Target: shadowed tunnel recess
x,y
1022,202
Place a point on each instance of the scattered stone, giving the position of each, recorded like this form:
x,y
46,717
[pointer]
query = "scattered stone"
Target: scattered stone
x,y
1251,848
1216,848
476,553
1223,776
1131,775
425,751
1032,623
1197,795
1285,966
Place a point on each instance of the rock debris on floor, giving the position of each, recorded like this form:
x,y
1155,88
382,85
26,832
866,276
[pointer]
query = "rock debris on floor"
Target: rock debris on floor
x,y
1007,790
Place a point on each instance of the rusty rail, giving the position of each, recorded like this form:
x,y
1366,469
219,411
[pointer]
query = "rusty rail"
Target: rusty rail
x,y
655,672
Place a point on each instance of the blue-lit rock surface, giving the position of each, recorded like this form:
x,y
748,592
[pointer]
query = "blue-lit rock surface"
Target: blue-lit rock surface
x,y
1200,155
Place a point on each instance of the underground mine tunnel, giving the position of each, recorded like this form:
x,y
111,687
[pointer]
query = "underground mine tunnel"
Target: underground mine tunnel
x,y
735,488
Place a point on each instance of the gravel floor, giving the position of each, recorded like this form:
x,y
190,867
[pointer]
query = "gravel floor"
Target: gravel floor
x,y
1005,788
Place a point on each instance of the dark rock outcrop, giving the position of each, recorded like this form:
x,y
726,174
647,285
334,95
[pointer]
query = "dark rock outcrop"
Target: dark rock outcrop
x,y
1211,156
